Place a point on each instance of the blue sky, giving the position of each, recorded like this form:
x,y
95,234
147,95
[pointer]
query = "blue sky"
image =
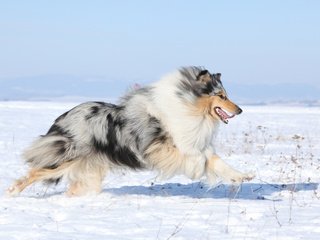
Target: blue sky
x,y
249,42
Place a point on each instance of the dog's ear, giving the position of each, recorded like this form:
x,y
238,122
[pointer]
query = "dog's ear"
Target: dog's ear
x,y
204,76
217,76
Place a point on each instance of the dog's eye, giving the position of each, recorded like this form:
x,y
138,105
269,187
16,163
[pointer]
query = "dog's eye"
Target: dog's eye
x,y
223,97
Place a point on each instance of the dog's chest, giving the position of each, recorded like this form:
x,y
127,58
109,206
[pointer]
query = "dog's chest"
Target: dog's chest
x,y
194,137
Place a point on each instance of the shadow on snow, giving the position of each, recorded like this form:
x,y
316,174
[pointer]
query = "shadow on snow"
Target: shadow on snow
x,y
249,191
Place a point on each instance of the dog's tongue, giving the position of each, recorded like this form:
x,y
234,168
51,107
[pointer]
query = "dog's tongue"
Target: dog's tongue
x,y
224,114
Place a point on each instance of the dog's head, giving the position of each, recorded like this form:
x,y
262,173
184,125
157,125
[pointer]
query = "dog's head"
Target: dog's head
x,y
204,85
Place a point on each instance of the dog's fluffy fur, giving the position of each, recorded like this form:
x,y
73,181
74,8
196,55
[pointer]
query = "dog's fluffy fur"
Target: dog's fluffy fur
x,y
168,127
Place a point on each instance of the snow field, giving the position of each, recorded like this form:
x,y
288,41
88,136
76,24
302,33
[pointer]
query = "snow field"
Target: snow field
x,y
280,144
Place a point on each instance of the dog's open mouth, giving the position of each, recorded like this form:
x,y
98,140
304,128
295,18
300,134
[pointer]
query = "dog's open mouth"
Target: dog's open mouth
x,y
224,116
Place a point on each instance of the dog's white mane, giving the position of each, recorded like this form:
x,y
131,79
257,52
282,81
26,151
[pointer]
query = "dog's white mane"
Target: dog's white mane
x,y
191,133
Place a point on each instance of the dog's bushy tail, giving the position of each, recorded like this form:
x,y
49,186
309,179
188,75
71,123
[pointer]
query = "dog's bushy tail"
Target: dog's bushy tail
x,y
50,152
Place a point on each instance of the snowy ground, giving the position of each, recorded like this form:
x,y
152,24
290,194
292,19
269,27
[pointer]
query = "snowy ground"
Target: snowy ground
x,y
281,144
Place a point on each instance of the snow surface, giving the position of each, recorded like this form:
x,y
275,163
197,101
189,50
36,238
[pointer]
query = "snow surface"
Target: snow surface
x,y
280,144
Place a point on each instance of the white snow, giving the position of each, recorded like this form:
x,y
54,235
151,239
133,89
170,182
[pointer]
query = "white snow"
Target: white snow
x,y
280,144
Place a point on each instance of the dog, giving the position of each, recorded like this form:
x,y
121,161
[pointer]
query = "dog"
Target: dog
x,y
167,126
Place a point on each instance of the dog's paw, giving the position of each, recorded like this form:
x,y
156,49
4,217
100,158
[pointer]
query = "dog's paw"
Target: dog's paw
x,y
244,177
249,176
12,191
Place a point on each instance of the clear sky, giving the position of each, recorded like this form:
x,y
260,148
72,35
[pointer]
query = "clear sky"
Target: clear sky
x,y
272,41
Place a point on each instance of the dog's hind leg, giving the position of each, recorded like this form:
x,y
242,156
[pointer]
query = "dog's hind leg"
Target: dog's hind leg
x,y
20,184
81,188
216,167
86,178
35,175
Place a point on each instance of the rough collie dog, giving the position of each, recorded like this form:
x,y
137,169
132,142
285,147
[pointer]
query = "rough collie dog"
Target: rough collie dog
x,y
168,127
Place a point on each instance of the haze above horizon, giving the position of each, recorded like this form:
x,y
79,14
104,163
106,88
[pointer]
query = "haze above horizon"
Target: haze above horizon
x,y
249,42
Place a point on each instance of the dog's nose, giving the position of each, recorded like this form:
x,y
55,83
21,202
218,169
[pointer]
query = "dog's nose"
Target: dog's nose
x,y
239,111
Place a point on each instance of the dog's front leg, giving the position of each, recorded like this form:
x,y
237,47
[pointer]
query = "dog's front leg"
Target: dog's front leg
x,y
216,167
